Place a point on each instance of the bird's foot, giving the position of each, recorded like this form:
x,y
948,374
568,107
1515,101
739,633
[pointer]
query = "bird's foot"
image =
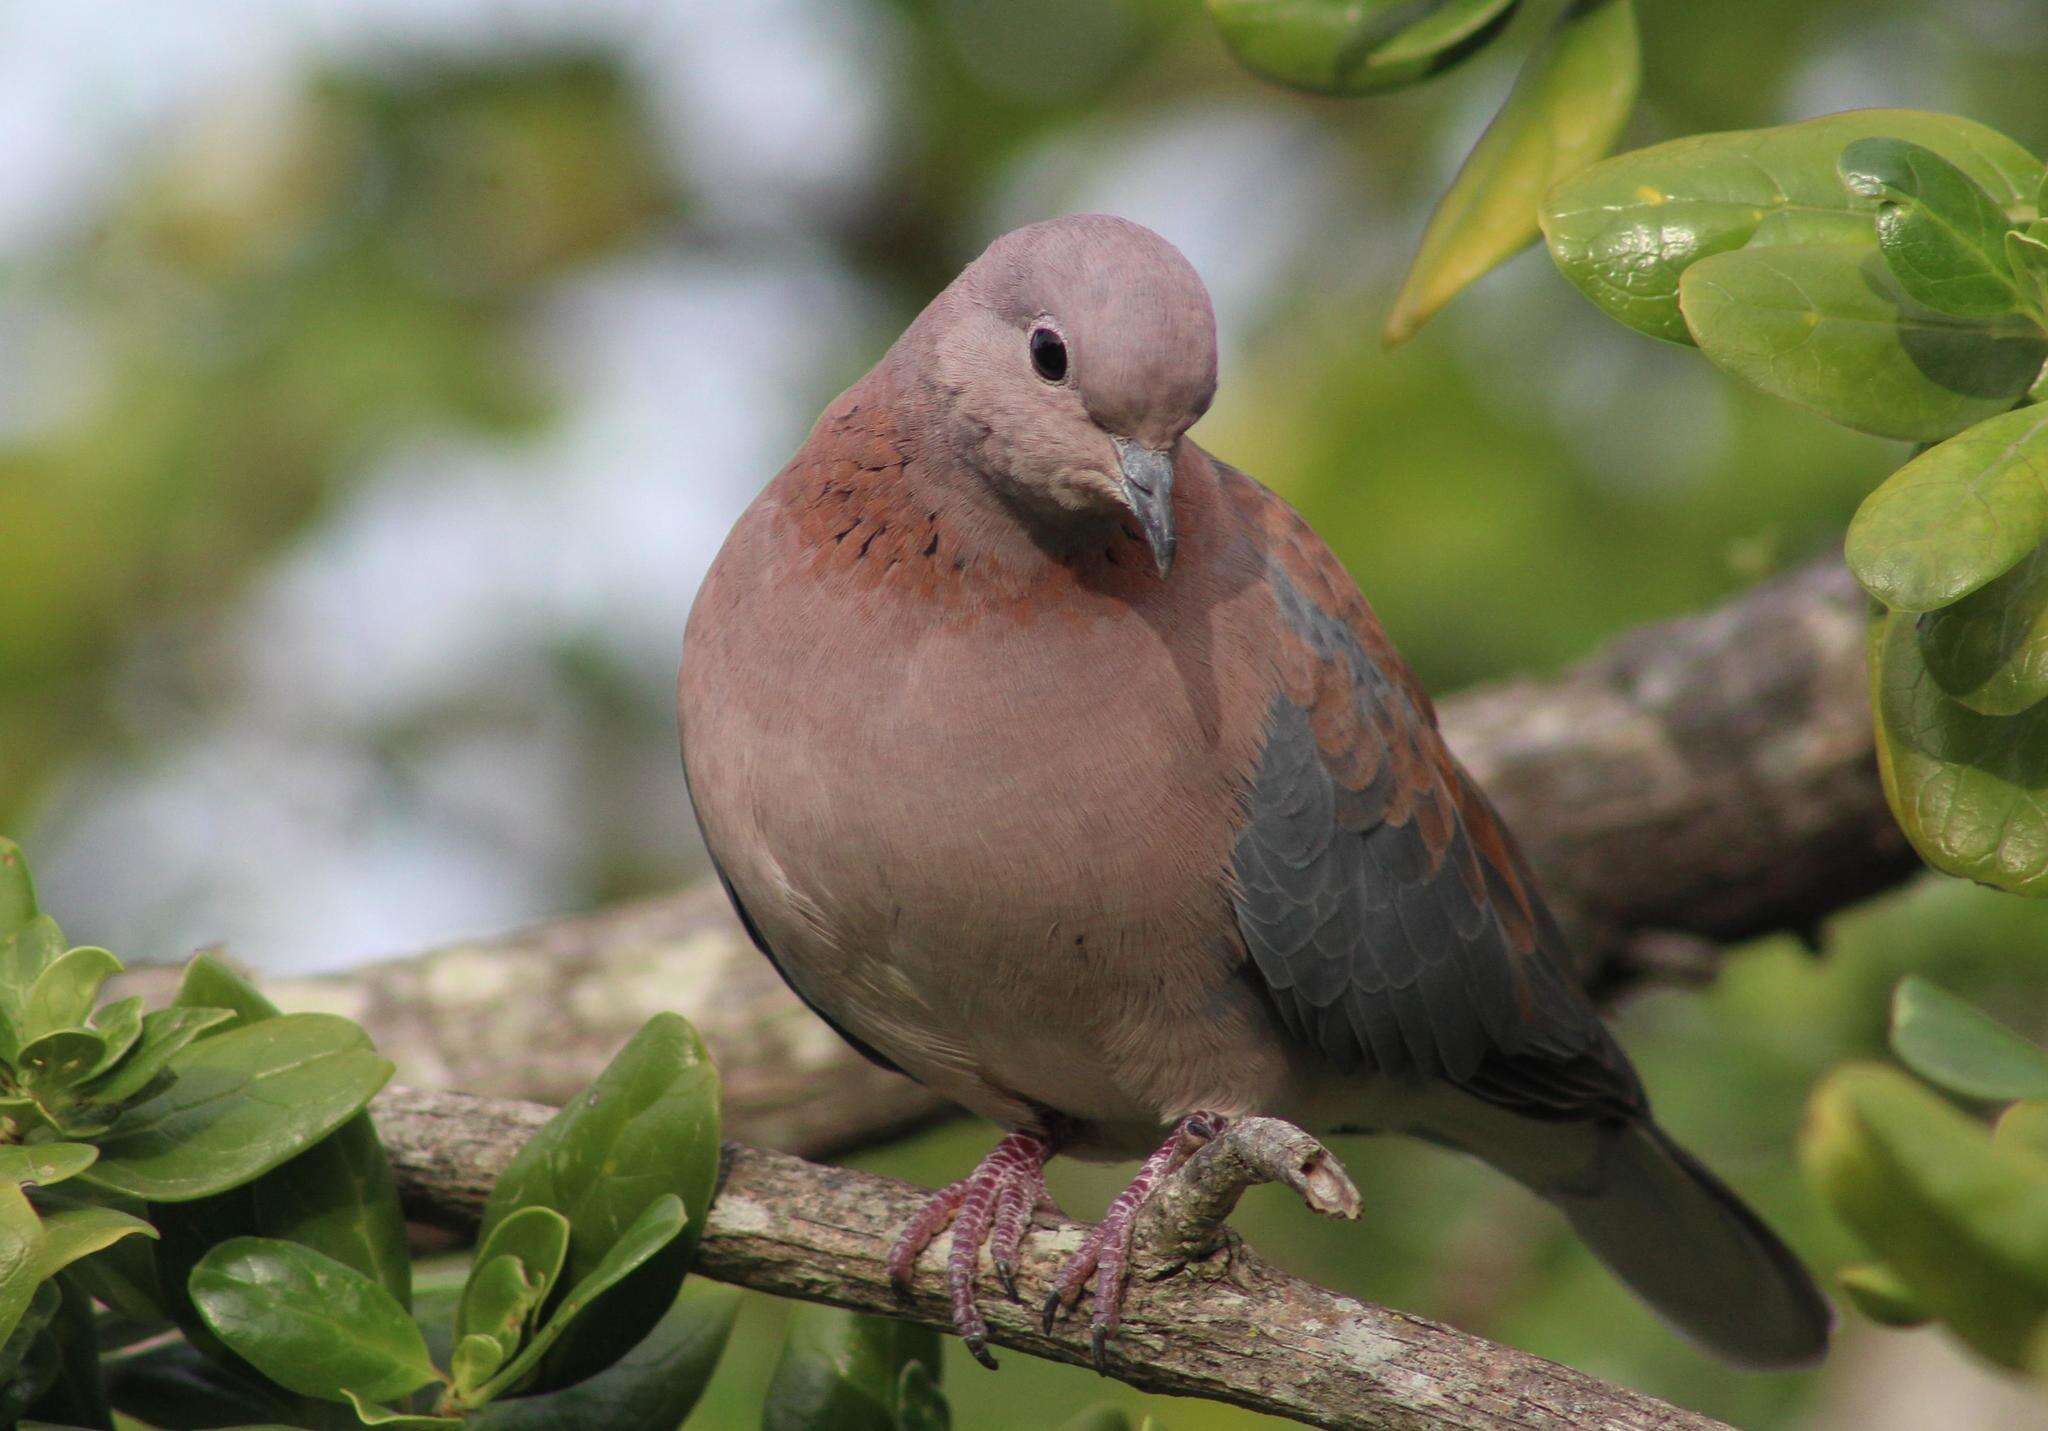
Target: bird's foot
x,y
993,1205
1105,1257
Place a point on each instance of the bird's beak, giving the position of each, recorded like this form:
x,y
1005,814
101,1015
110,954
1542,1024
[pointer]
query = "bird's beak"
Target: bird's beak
x,y
1148,492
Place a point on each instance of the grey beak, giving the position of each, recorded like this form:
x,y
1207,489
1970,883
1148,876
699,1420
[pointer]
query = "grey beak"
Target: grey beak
x,y
1148,491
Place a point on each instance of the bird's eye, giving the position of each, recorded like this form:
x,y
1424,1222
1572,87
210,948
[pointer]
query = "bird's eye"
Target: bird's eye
x,y
1048,354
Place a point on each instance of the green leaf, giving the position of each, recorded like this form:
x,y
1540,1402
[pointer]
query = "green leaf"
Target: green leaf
x,y
1969,790
24,955
1990,649
42,1164
477,1357
498,1301
371,1414
2024,1128
655,1384
242,1103
1963,1049
516,1267
654,1229
647,1125
165,1033
119,1026
1828,327
1956,516
1353,47
64,993
843,1369
1625,230
21,1236
172,1384
1566,110
1962,1222
17,889
58,1059
77,1395
209,982
2026,254
79,1230
1881,1296
1943,236
309,1323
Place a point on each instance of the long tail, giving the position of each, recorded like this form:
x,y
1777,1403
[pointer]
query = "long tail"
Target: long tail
x,y
1695,1252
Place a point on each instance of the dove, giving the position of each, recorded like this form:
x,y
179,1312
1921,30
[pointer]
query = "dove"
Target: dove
x,y
1060,766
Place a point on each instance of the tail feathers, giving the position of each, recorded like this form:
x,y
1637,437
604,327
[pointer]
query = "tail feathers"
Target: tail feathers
x,y
1690,1248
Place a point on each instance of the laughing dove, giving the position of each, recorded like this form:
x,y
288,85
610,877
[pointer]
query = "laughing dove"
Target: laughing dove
x,y
1061,767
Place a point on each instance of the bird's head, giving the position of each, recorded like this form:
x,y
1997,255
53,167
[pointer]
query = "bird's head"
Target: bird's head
x,y
1069,359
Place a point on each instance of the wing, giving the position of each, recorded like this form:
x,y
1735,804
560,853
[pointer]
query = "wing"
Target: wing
x,y
1381,898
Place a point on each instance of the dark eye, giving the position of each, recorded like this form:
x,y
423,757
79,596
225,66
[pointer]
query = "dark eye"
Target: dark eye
x,y
1048,354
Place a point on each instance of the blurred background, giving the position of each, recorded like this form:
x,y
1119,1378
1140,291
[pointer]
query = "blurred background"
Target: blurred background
x,y
377,378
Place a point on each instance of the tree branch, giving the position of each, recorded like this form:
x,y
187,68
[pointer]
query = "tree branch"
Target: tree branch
x,y
1702,780
1223,1326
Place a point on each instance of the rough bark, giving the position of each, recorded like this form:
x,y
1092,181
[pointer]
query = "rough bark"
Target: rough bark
x,y
1701,780
1225,1327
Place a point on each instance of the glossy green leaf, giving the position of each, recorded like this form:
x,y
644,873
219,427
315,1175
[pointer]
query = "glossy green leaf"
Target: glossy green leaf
x,y
78,1230
843,1369
1828,327
1881,1296
1956,516
210,982
58,1059
477,1358
371,1414
657,1383
64,993
2026,254
1990,649
44,1163
165,1033
17,889
498,1301
338,1197
309,1323
119,1026
1625,230
1947,1041
516,1267
242,1103
656,1228
1962,1222
647,1125
21,1236
24,955
1942,235
1969,790
2024,1128
1353,47
1566,109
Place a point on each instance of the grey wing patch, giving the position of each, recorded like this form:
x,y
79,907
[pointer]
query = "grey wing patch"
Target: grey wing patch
x,y
1388,916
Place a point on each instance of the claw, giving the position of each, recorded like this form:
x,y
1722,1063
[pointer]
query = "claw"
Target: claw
x,y
992,1203
1104,1258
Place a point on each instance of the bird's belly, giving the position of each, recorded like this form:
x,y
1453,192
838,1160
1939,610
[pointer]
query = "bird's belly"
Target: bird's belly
x,y
1027,925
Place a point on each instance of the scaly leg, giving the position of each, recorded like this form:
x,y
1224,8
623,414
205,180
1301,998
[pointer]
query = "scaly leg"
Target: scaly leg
x,y
1105,1257
994,1204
